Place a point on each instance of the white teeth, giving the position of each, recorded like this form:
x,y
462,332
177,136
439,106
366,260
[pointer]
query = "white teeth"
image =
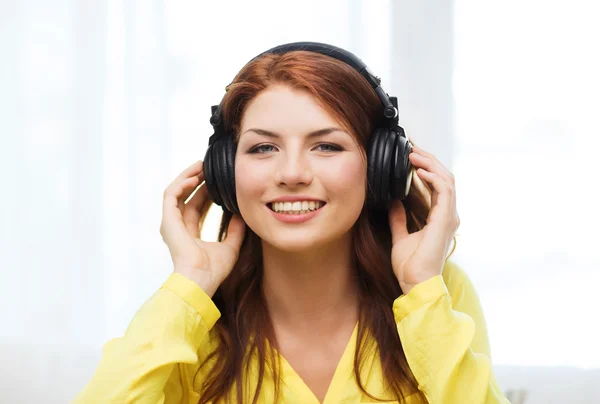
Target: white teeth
x,y
297,206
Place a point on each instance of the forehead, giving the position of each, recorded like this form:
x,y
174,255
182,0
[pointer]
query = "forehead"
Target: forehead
x,y
282,107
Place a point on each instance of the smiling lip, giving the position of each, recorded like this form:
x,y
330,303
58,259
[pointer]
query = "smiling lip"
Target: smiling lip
x,y
295,217
295,198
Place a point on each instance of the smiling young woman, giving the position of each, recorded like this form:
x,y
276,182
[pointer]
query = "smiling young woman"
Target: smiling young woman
x,y
312,294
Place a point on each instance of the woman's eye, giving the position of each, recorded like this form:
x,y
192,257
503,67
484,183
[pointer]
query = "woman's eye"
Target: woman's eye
x,y
267,148
261,148
329,147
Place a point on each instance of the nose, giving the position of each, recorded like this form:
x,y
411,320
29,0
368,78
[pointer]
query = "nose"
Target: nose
x,y
294,170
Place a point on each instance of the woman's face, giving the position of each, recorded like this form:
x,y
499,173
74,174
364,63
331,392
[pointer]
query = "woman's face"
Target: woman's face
x,y
281,154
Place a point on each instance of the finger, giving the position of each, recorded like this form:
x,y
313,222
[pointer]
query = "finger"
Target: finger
x,y
397,218
235,232
194,170
442,199
186,188
424,153
431,164
193,209
175,195
421,151
172,227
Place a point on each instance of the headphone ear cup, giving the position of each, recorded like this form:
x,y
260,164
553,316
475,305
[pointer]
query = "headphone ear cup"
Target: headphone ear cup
x,y
229,151
210,179
389,146
373,171
389,170
380,154
403,169
223,170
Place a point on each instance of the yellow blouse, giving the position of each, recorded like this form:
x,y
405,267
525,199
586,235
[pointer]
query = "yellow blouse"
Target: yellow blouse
x,y
440,323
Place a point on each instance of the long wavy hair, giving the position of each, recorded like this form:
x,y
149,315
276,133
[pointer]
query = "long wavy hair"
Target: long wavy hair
x,y
245,327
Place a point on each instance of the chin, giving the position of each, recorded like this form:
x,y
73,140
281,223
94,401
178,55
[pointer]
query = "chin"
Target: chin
x,y
303,241
294,246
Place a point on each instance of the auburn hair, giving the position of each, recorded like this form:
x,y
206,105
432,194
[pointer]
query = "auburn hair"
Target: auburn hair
x,y
244,326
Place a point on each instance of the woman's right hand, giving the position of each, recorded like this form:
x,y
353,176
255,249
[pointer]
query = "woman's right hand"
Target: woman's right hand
x,y
206,263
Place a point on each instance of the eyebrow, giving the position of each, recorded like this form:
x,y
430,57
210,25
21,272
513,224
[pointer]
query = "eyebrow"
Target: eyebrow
x,y
316,133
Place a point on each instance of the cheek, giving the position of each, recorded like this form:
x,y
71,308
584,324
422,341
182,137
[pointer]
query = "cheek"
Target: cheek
x,y
347,178
249,180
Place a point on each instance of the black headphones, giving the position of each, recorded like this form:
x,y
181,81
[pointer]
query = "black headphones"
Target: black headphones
x,y
389,170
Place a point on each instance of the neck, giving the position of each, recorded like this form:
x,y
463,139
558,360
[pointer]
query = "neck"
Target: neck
x,y
311,290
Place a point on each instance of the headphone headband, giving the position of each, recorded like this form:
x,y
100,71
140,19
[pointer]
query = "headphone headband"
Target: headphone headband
x,y
390,107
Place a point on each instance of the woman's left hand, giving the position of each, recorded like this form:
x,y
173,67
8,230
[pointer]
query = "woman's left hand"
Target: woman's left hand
x,y
419,256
